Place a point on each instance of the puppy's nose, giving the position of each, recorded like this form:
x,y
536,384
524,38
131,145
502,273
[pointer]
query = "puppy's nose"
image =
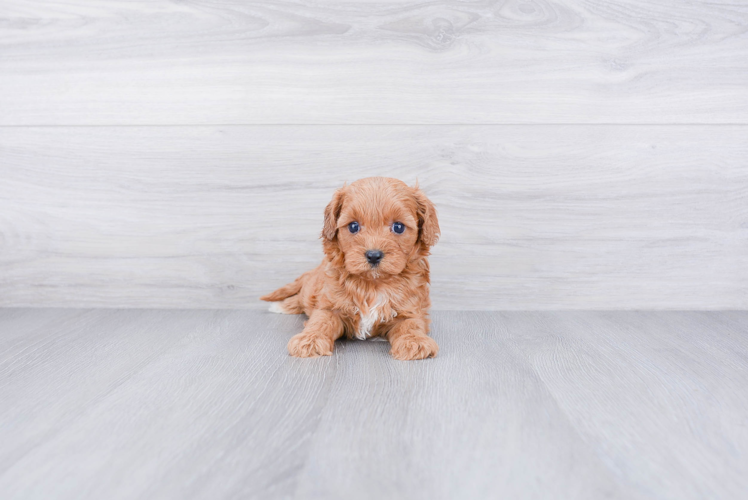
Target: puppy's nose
x,y
374,256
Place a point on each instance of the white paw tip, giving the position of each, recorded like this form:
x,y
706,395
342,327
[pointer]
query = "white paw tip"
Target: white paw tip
x,y
277,308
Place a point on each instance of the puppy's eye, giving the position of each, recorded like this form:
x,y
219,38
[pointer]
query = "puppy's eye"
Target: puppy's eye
x,y
398,227
353,227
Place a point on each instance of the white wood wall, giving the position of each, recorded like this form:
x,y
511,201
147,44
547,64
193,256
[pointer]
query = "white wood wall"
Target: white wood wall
x,y
582,155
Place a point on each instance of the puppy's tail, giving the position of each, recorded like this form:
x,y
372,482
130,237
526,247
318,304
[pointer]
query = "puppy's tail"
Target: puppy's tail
x,y
284,292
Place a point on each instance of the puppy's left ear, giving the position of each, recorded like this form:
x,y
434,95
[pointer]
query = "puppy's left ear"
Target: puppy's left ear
x,y
332,212
428,224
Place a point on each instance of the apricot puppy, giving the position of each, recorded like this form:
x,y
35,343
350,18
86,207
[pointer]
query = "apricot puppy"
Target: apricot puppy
x,y
374,279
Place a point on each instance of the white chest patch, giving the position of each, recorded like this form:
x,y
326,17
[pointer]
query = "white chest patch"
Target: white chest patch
x,y
375,314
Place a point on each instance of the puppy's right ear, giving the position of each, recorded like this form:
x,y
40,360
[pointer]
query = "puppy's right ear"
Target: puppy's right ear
x,y
332,212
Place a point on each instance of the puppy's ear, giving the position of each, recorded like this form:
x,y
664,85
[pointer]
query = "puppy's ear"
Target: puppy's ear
x,y
332,212
428,224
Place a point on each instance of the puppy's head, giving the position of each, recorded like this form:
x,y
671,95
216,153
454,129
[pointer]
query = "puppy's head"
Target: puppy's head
x,y
375,226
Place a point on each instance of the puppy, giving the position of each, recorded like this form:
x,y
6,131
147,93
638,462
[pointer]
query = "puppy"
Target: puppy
x,y
374,278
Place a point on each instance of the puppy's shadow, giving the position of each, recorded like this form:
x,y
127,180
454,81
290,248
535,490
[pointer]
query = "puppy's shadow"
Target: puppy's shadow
x,y
356,347
285,326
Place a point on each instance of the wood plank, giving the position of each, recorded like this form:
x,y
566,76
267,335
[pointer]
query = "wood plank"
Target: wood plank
x,y
533,217
133,404
206,404
656,393
543,405
477,423
395,62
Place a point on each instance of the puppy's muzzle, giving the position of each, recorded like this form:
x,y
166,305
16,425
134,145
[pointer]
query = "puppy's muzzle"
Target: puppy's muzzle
x,y
374,257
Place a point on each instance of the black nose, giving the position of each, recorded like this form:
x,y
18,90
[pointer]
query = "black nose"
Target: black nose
x,y
374,256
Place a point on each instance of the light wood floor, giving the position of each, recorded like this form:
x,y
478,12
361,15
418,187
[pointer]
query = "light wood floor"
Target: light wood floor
x,y
207,404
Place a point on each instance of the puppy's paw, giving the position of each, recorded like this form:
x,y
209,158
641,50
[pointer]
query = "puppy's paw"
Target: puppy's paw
x,y
410,347
309,345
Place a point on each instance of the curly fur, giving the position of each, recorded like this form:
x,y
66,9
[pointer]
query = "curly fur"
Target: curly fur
x,y
347,296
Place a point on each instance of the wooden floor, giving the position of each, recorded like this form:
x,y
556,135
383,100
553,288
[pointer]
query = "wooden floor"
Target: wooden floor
x,y
207,404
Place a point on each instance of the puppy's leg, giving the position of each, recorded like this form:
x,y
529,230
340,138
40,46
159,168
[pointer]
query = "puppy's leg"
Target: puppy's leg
x,y
319,335
409,340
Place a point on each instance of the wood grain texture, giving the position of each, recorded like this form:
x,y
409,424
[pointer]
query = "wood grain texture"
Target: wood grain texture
x,y
394,62
207,404
532,217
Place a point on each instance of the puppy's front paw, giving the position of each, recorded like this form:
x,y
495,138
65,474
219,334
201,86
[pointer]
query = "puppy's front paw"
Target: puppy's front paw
x,y
309,345
410,347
